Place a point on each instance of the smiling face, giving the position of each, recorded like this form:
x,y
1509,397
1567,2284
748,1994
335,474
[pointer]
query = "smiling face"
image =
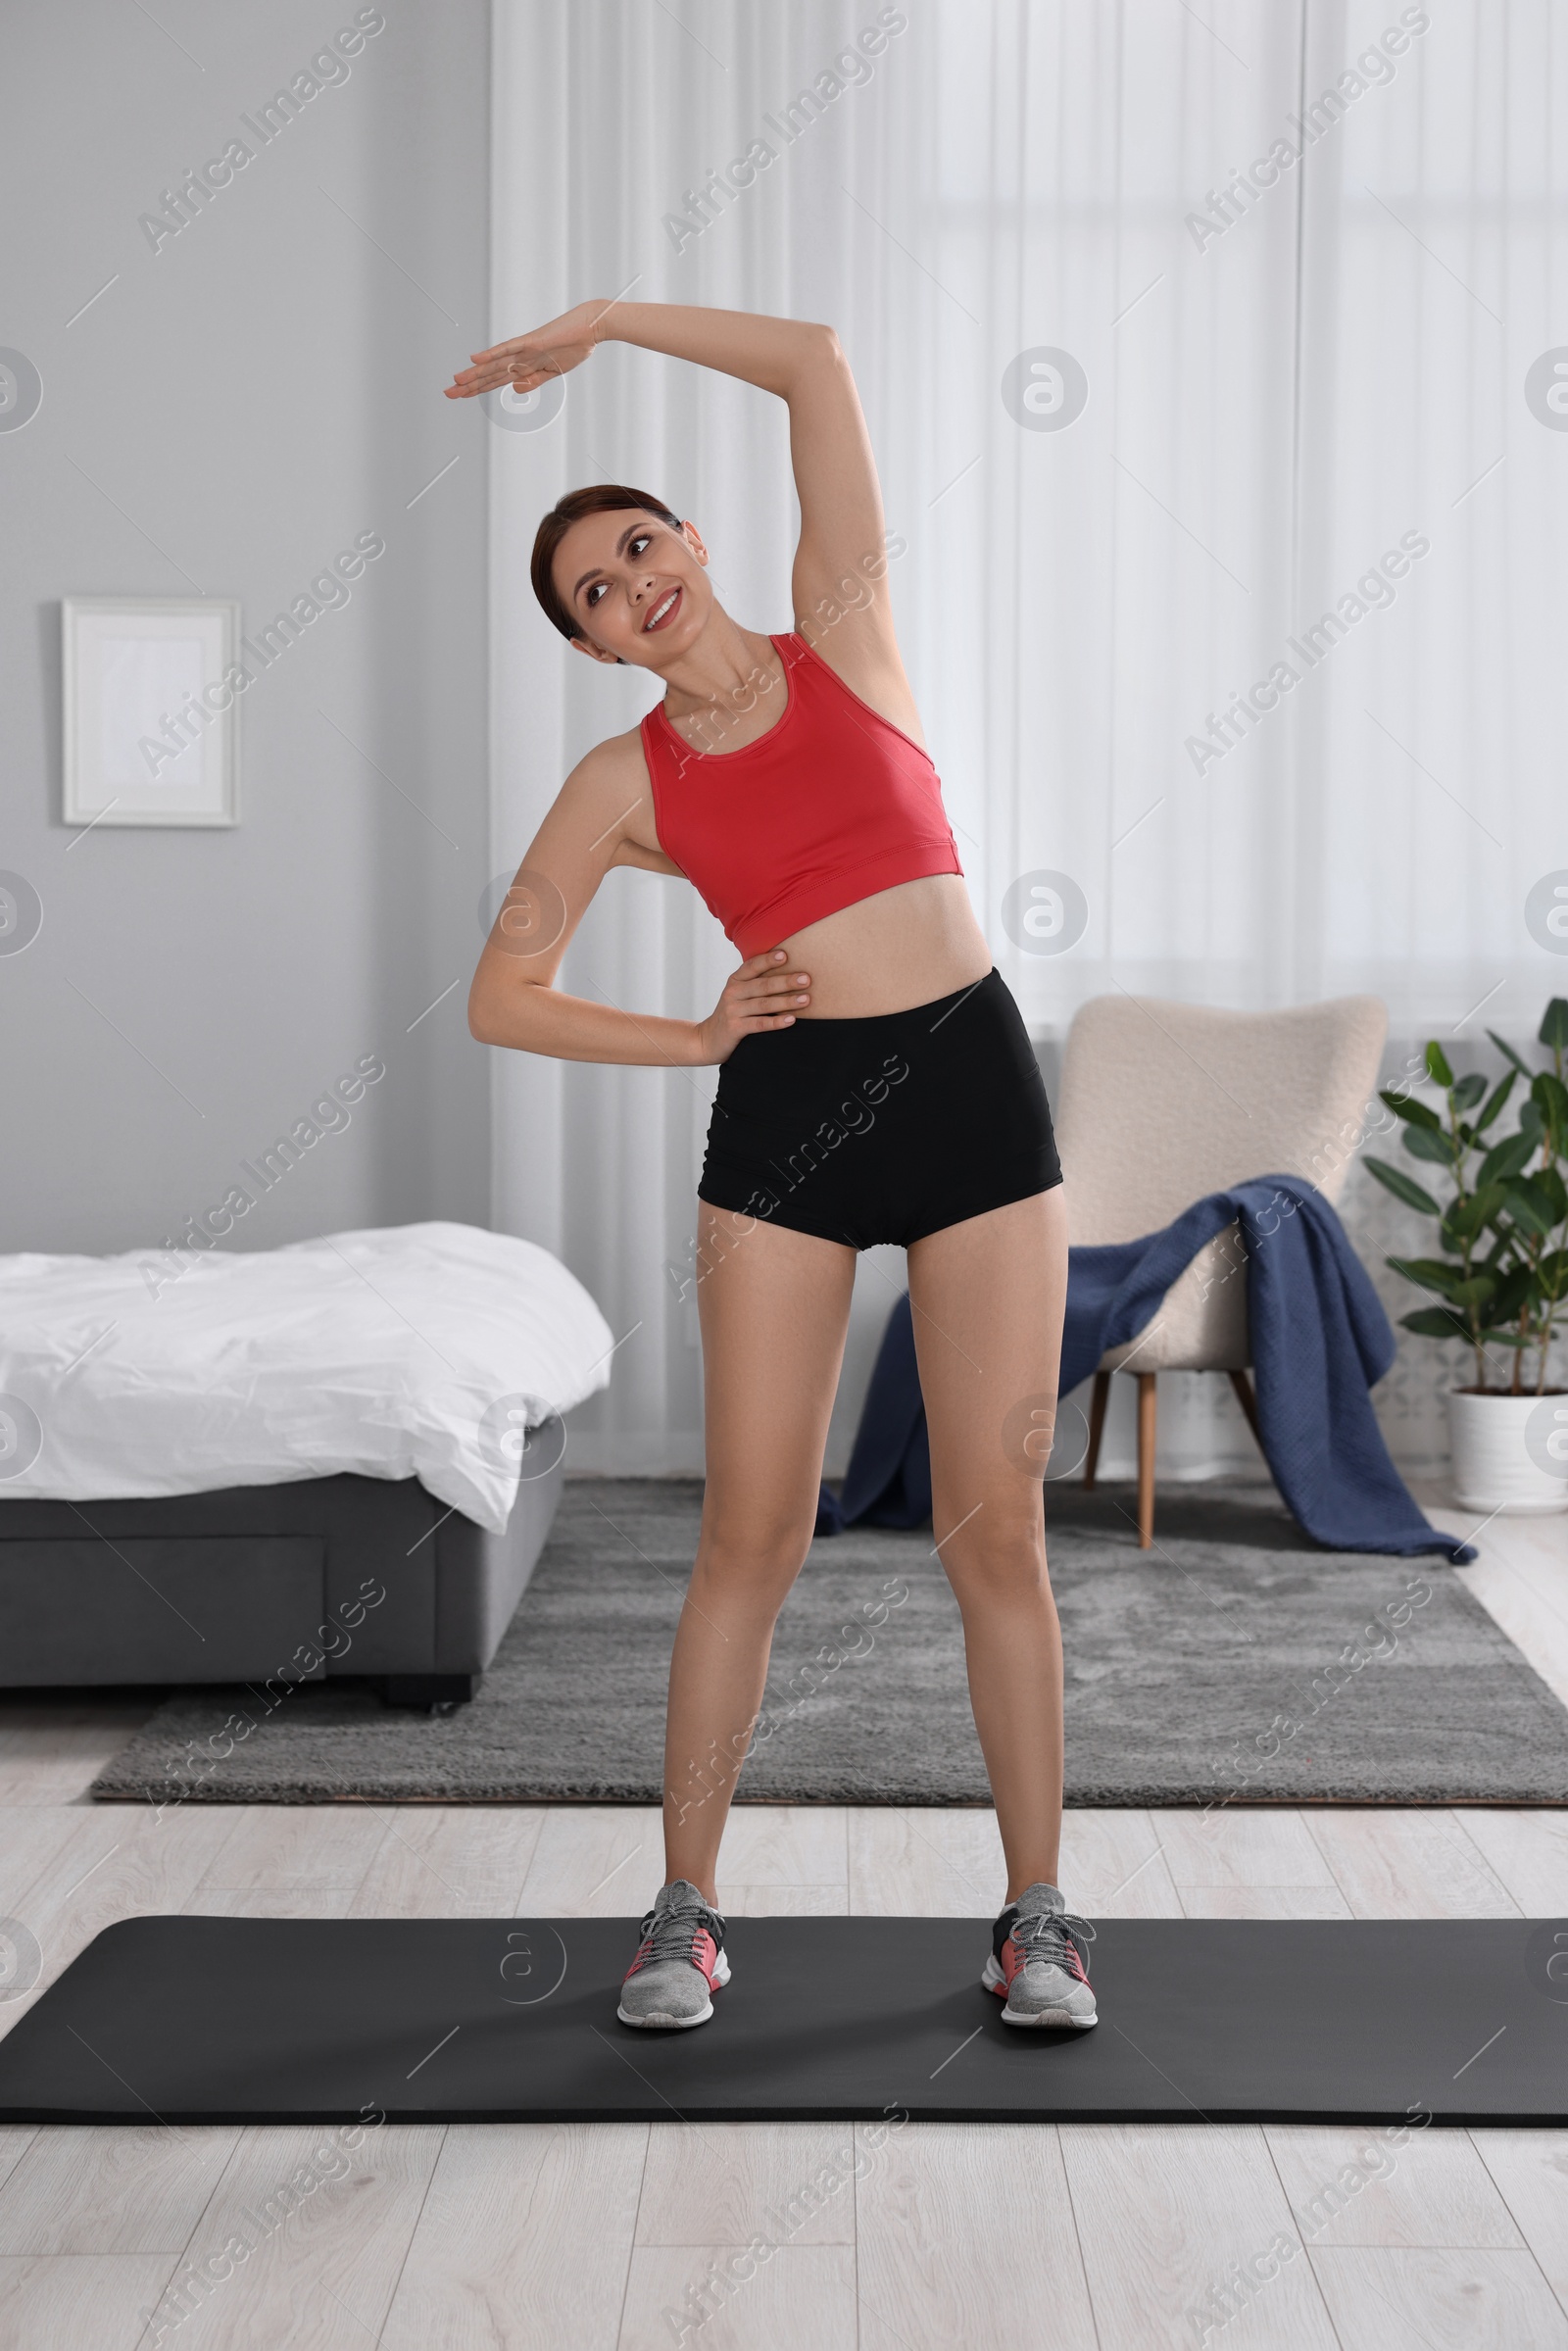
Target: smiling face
x,y
637,589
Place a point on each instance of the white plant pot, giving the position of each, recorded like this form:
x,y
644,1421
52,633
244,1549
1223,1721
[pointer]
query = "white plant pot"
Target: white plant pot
x,y
1504,1448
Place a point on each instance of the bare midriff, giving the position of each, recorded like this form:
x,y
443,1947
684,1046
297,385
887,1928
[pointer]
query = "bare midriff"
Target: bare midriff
x,y
906,946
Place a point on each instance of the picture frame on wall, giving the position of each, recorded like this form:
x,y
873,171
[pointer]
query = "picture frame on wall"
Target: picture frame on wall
x,y
151,730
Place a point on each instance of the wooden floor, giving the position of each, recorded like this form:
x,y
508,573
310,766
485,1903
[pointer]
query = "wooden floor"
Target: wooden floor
x,y
580,2237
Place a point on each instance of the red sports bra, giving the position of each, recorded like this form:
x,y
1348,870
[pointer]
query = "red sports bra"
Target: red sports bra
x,y
832,805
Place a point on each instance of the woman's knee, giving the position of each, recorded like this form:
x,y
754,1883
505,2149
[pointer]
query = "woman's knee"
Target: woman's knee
x,y
1006,1559
758,1559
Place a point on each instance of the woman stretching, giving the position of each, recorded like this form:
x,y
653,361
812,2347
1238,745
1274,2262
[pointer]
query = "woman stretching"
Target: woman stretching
x,y
877,1084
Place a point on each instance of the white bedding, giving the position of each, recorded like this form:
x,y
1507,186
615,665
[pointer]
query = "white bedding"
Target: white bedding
x,y
419,1350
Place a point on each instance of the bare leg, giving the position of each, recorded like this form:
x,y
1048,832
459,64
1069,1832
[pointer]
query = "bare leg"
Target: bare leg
x,y
988,1297
774,1306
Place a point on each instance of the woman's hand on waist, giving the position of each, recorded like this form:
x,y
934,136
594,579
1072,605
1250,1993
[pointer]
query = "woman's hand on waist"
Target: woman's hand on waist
x,y
762,994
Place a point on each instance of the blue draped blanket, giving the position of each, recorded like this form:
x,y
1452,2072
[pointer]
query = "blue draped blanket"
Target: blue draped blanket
x,y
1320,1339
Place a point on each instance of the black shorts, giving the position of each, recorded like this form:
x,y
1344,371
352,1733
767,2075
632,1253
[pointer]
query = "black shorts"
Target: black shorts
x,y
884,1129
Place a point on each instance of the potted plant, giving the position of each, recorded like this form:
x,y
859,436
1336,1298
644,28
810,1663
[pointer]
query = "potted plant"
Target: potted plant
x,y
1501,1273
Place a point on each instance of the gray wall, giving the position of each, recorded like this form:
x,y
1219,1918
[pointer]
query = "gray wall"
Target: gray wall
x,y
237,407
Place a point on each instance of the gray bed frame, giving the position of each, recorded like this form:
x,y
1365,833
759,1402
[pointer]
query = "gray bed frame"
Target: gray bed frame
x,y
328,1576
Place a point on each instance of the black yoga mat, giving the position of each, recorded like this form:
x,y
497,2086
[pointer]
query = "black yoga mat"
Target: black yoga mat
x,y
198,2020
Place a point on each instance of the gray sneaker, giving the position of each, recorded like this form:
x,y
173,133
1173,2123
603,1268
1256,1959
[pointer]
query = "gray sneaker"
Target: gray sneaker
x,y
1036,1964
679,1964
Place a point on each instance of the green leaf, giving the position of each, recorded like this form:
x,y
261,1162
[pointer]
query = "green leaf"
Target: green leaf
x,y
1495,1100
1436,1065
1554,1029
1550,1097
1403,1187
1508,1054
1466,1217
1531,1206
1512,1293
1414,1114
1510,1157
1423,1144
1469,1090
1436,1322
1436,1273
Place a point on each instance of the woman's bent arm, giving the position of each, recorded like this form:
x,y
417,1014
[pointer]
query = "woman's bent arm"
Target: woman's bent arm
x,y
599,820
510,1008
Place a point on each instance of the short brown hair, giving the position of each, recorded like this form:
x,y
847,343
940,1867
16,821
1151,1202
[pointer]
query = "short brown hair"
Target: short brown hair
x,y
605,496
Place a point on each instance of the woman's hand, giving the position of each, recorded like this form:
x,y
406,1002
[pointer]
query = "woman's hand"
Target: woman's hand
x,y
758,997
530,360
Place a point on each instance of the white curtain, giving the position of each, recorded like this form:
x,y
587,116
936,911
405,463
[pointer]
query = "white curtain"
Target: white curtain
x,y
1291,377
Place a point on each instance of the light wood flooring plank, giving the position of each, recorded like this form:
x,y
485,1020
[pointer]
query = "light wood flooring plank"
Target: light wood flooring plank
x,y
1235,1845
800,2298
1373,2187
524,2241
779,1844
449,1861
782,1901
1408,1864
1439,2301
1530,1611
967,2234
79,2301
726,2182
121,2191
311,1848
312,2265
1527,1852
269,1902
1531,2170
57,1763
1114,1866
594,1861
15,2140
925,1862
1266,1902
1163,2211
127,1863
33,1837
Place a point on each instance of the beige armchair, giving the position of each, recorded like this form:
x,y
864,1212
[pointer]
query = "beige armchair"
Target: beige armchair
x,y
1162,1103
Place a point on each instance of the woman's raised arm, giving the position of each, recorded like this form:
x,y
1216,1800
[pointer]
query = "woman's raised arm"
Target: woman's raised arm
x,y
841,554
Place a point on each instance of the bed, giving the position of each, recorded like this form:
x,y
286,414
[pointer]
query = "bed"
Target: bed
x,y
336,1458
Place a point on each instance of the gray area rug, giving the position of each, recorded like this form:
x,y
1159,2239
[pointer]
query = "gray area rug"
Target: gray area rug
x,y
1236,1660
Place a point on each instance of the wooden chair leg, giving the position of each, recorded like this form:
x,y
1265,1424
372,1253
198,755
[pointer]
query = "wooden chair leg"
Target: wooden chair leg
x,y
1145,1459
1249,1404
1097,1425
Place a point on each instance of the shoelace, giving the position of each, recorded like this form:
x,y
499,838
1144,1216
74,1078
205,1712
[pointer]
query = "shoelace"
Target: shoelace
x,y
669,1933
1046,1936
